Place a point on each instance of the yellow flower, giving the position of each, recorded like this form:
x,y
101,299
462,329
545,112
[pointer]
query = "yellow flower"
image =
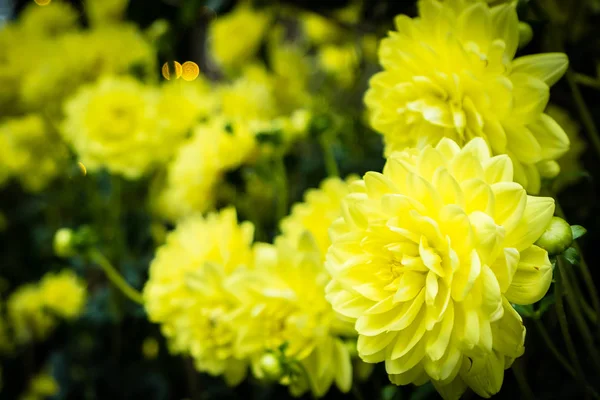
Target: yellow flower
x,y
215,147
48,22
42,386
186,291
283,304
339,61
183,104
106,11
319,30
570,165
235,38
63,294
112,124
27,317
316,213
30,152
428,258
451,73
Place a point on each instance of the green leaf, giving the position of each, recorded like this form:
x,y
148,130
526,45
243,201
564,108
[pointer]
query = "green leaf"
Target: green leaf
x,y
389,392
578,231
545,303
571,255
524,311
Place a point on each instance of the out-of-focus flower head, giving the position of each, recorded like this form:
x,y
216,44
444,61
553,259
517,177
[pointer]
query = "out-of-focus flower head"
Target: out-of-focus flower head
x,y
41,386
26,315
339,61
183,105
186,292
236,37
427,259
320,30
113,124
284,310
215,147
316,213
105,11
451,73
64,294
62,66
48,22
29,153
570,165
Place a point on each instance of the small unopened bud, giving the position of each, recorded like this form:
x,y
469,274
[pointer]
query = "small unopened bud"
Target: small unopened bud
x,y
64,243
557,237
548,169
525,34
271,367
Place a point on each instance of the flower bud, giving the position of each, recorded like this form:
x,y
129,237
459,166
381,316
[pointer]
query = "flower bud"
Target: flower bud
x,y
557,237
64,243
271,367
525,34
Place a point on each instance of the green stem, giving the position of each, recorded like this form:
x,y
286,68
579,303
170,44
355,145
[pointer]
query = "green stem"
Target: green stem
x,y
559,357
576,312
330,162
585,307
564,326
519,373
584,113
585,271
116,278
282,186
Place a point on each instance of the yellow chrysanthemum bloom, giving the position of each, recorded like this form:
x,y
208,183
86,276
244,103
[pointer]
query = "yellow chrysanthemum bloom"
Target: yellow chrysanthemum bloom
x,y
319,30
283,304
26,315
316,213
106,11
235,37
42,386
340,62
112,124
451,73
61,66
182,105
428,258
48,22
570,165
186,291
215,147
64,294
30,152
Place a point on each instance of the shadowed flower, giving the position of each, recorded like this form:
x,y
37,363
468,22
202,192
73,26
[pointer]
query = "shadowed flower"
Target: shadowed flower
x,y
451,73
427,259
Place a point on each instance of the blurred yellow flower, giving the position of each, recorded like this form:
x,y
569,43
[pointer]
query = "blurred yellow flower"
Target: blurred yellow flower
x,y
319,30
283,304
41,386
30,152
340,62
450,73
215,147
113,124
48,22
235,37
64,294
26,315
186,291
105,11
316,213
427,259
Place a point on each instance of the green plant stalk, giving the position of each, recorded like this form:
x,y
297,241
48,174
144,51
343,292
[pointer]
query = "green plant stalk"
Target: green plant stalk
x,y
116,278
282,186
330,162
576,312
564,326
519,373
559,357
584,113
585,307
585,272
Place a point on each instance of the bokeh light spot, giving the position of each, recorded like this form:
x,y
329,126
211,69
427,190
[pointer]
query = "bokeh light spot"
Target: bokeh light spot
x,y
166,70
190,71
82,168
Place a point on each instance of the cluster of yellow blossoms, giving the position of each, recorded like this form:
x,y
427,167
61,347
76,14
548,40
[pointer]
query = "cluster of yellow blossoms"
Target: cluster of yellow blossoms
x,y
34,310
232,305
